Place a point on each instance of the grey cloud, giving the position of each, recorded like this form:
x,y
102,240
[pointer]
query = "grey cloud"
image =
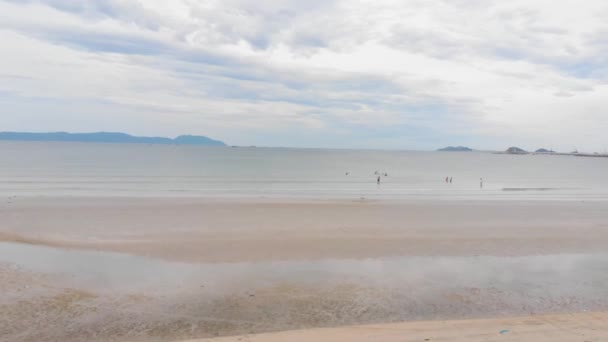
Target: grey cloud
x,y
551,30
303,26
524,37
328,95
128,11
106,42
14,77
563,94
263,83
427,42
211,76
261,23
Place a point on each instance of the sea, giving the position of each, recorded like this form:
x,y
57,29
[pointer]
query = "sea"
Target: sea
x,y
146,170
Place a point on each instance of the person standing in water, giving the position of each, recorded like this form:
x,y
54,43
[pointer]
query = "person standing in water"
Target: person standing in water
x,y
378,179
450,180
481,183
447,179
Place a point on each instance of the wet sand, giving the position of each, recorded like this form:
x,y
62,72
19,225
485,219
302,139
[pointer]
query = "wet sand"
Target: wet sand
x,y
200,230
154,269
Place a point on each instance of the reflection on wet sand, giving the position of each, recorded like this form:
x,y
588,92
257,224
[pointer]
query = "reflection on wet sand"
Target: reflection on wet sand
x,y
80,295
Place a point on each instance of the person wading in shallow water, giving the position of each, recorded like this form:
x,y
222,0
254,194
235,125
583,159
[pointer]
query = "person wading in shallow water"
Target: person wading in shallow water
x,y
378,179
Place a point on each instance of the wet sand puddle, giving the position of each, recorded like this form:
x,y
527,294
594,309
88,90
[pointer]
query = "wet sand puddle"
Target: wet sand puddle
x,y
69,295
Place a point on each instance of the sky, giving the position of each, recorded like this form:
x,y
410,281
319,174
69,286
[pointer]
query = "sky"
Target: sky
x,y
388,74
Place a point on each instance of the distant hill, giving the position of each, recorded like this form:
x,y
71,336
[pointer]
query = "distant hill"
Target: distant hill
x,y
455,149
543,150
516,150
107,137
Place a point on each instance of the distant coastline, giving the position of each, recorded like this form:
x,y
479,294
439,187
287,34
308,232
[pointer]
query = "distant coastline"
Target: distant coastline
x,y
455,149
109,137
543,151
519,151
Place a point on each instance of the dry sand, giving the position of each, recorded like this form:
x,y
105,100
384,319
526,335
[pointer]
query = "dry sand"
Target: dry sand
x,y
581,327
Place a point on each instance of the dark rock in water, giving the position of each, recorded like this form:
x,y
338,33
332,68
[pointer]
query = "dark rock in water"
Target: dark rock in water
x,y
515,150
455,149
543,150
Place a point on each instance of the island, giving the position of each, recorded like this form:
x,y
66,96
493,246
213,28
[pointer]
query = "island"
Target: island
x,y
455,149
109,137
515,150
544,150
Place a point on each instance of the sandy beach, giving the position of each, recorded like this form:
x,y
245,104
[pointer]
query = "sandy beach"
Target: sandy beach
x,y
164,269
584,327
210,230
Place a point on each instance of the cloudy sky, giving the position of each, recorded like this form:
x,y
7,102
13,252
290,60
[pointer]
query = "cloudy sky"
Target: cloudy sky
x,y
407,74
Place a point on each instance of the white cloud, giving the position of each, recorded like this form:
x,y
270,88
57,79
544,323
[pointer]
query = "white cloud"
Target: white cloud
x,y
483,72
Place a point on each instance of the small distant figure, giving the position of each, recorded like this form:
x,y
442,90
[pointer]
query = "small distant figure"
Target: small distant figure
x,y
385,174
447,179
450,180
378,179
347,173
481,183
376,172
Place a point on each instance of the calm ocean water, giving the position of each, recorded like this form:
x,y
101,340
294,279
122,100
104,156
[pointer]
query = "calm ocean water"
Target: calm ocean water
x,y
81,169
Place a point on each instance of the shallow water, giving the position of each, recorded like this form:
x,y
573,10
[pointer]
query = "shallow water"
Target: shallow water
x,y
70,295
80,169
552,280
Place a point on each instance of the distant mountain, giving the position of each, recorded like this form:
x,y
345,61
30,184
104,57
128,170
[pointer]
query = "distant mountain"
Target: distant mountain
x,y
455,149
516,150
107,137
543,150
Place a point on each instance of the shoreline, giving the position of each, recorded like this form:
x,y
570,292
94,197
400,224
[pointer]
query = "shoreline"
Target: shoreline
x,y
500,194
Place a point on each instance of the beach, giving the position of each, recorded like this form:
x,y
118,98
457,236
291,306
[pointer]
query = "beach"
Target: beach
x,y
550,328
164,269
129,242
290,171
228,230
